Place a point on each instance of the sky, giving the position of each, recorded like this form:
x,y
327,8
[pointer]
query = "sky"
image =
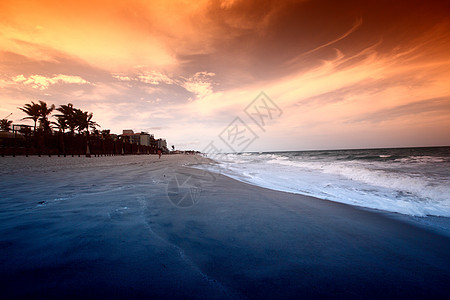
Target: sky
x,y
237,75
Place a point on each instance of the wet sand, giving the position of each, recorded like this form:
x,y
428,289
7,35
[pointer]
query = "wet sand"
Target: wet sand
x,y
138,226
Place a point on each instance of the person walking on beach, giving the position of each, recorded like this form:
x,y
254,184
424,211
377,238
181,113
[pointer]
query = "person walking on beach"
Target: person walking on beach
x,y
159,153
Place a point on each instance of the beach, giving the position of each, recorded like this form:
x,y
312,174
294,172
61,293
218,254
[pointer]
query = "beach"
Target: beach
x,y
139,226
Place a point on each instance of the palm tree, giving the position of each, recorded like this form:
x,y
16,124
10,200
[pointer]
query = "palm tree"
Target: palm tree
x,y
5,125
61,123
33,111
68,115
45,111
84,121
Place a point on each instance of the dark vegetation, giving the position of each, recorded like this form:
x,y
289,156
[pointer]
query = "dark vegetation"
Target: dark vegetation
x,y
73,133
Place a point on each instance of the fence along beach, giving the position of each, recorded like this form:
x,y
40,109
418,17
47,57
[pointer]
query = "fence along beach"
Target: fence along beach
x,y
71,145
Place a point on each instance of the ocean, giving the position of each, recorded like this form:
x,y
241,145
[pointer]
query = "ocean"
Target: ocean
x,y
107,227
410,181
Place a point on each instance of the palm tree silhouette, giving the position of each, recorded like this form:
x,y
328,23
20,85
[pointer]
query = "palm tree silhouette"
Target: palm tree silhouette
x,y
5,125
33,111
45,111
84,120
38,112
67,117
60,124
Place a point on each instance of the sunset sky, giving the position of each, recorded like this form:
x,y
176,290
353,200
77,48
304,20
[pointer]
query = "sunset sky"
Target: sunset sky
x,y
342,74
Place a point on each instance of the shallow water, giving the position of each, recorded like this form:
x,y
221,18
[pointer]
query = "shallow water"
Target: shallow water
x,y
412,181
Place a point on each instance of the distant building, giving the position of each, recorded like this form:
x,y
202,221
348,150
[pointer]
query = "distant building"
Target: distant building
x,y
127,132
142,138
162,143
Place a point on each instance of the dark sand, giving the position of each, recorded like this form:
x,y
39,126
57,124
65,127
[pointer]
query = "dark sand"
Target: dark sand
x,y
236,241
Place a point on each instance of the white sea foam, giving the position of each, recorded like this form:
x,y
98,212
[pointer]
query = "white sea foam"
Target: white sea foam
x,y
417,185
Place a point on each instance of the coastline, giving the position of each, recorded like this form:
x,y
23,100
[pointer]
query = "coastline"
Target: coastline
x,y
438,224
235,241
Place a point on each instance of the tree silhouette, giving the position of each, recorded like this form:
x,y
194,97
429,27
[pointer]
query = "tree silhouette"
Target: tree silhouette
x,y
33,111
45,111
84,120
5,124
38,112
66,118
85,132
60,124
106,134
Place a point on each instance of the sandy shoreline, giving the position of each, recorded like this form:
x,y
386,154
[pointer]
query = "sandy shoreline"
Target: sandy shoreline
x,y
143,227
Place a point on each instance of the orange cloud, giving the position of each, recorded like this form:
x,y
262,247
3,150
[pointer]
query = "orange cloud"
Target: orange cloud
x,y
90,30
118,35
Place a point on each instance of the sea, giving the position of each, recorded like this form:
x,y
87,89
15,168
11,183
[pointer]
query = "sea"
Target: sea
x,y
106,227
410,181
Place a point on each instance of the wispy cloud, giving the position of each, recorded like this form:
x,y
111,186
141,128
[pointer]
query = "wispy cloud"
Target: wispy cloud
x,y
154,77
121,77
355,26
440,105
200,84
42,83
